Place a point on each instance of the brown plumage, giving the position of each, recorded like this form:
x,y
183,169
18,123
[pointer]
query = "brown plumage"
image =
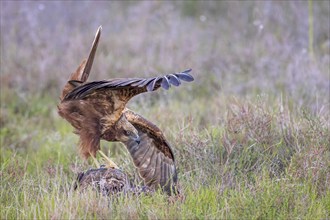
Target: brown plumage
x,y
108,182
97,111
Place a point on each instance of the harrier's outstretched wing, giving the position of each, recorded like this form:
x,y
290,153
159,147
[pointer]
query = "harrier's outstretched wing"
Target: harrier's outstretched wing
x,y
126,88
153,157
109,97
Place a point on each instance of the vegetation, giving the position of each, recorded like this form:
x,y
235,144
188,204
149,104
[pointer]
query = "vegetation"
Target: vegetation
x,y
250,135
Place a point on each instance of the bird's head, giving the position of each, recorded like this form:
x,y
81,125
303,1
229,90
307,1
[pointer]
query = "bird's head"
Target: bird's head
x,y
125,131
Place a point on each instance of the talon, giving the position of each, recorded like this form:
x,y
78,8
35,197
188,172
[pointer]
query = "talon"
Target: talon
x,y
97,164
110,164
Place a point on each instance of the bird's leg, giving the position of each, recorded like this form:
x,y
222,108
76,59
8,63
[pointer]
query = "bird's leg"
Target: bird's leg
x,y
111,164
95,161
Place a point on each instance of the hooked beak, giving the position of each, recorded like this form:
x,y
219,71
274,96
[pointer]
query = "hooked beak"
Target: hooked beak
x,y
138,140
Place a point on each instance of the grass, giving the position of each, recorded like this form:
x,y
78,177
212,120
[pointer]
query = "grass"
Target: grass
x,y
250,134
250,165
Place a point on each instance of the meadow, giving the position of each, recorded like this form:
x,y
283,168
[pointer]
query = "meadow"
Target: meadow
x,y
250,135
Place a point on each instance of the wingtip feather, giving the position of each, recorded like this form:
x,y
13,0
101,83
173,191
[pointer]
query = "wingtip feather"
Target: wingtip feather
x,y
165,83
185,76
174,80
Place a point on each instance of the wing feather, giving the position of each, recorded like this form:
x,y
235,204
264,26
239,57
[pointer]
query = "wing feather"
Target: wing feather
x,y
141,153
136,84
147,159
146,82
129,82
157,165
165,83
152,84
174,80
185,76
148,164
156,169
164,174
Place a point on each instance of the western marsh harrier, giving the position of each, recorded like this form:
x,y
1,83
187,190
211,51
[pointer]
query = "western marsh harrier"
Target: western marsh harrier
x,y
97,111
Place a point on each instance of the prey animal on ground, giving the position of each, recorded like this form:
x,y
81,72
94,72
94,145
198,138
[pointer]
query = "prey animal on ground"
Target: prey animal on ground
x,y
97,110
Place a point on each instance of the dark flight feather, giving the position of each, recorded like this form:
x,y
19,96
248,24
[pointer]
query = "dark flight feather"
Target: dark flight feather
x,y
165,83
151,85
139,82
174,80
146,82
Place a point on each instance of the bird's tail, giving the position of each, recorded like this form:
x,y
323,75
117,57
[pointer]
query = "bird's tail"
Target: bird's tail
x,y
82,73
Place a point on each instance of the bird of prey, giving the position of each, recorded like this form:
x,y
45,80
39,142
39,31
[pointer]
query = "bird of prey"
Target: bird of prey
x,y
97,110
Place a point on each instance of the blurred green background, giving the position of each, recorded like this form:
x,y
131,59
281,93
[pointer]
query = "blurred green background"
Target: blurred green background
x,y
233,47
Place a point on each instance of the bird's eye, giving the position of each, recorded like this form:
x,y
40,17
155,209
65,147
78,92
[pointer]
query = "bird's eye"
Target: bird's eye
x,y
128,133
